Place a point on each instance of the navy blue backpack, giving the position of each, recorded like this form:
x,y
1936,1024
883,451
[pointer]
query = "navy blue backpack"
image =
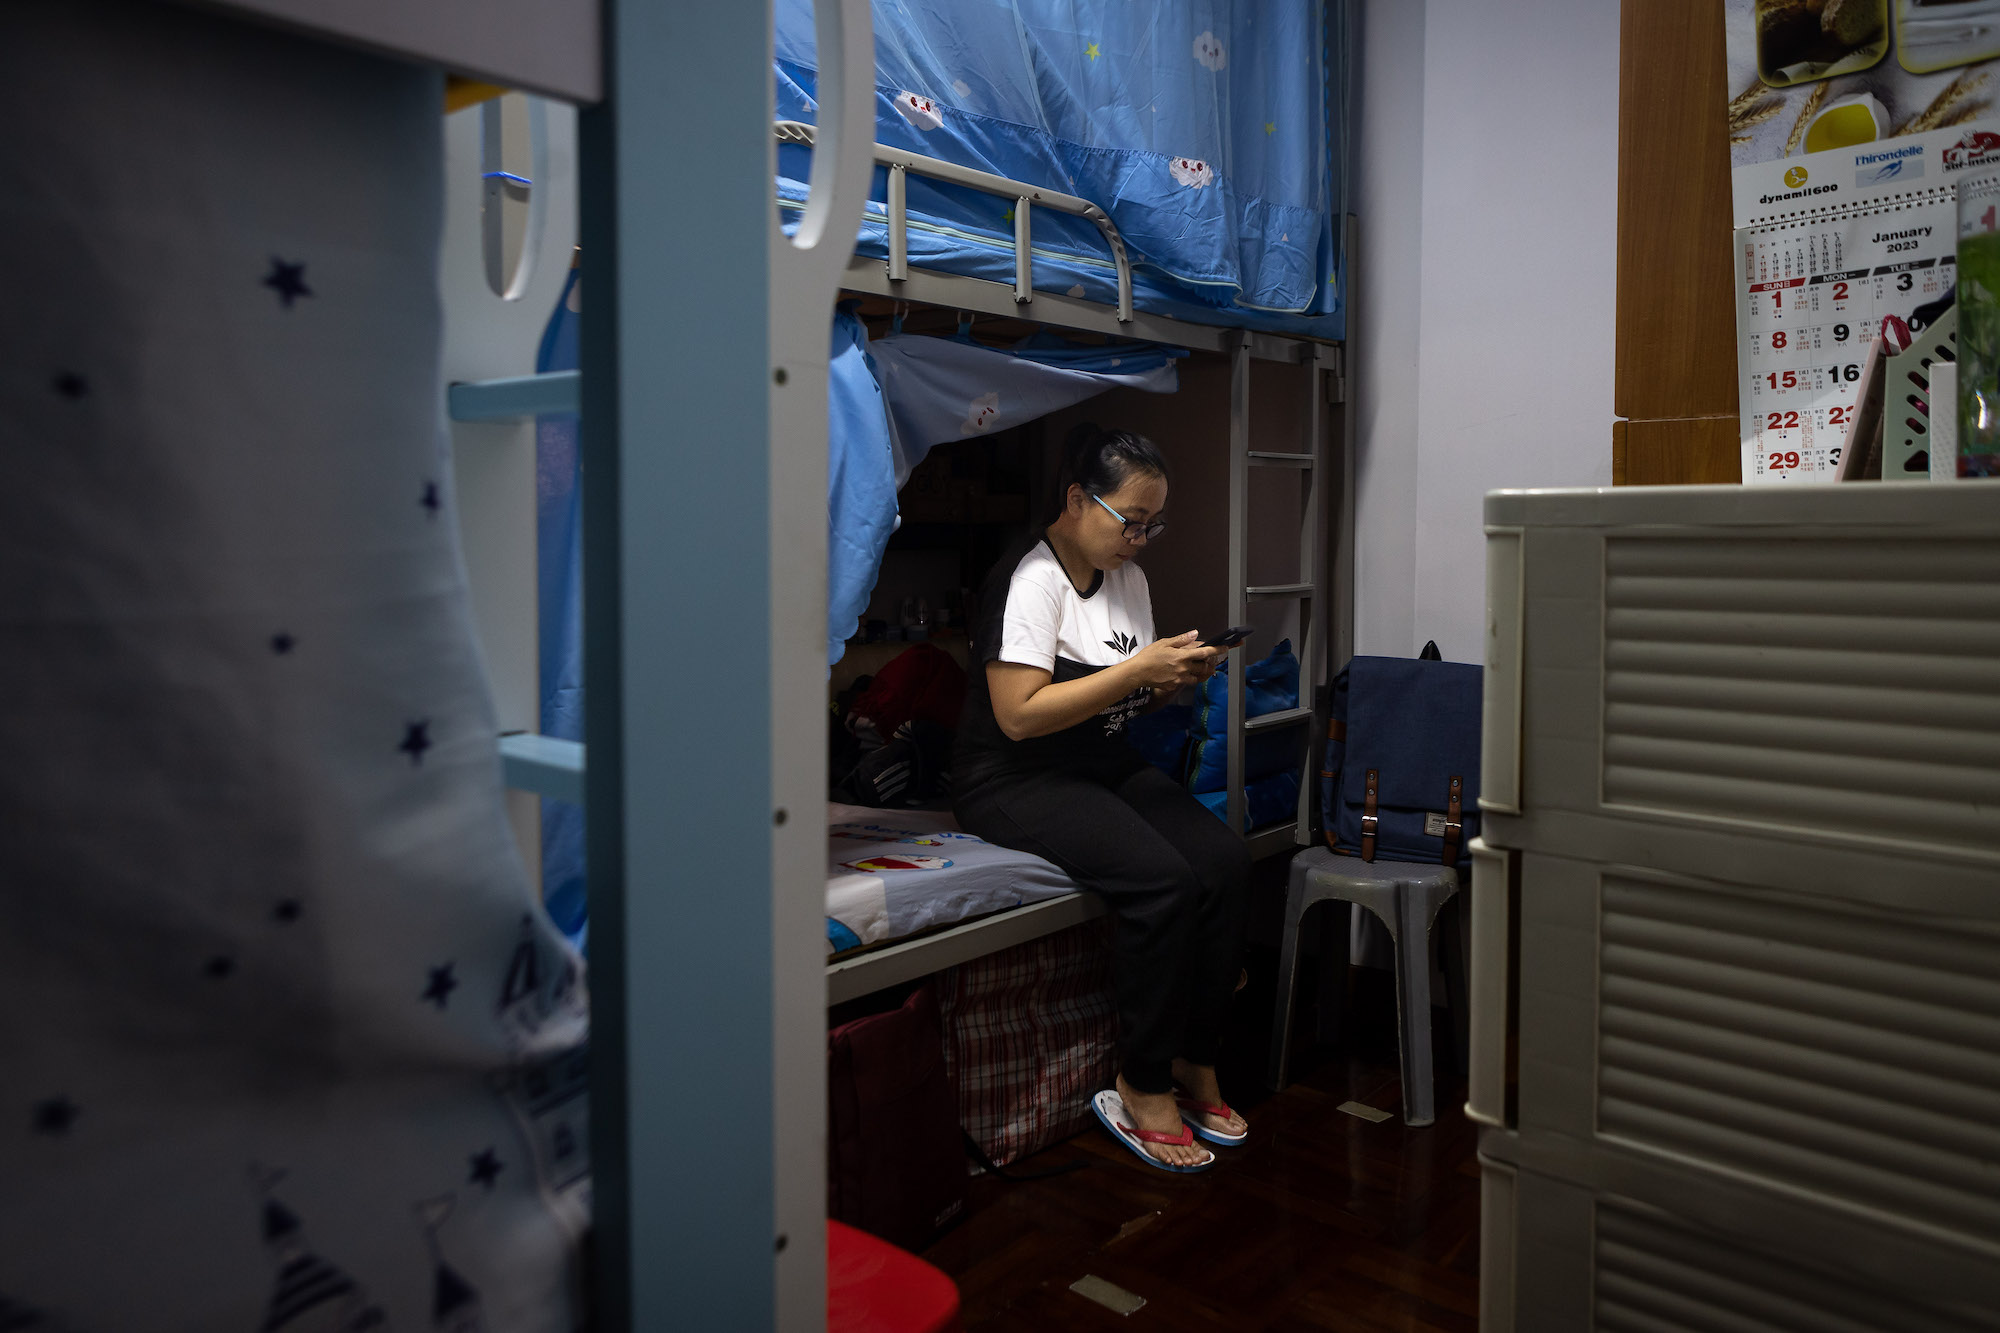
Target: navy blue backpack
x,y
1401,780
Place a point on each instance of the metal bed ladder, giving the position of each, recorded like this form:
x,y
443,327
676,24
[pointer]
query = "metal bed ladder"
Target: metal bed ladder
x,y
1317,605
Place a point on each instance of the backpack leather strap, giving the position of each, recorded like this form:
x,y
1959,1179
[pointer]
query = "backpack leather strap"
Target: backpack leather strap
x,y
1368,817
1336,730
1453,826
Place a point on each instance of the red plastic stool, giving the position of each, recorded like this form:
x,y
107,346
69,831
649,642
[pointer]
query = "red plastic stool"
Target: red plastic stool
x,y
873,1287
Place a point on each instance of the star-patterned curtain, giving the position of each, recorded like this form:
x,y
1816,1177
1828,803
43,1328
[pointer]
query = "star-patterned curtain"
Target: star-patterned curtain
x,y
288,1043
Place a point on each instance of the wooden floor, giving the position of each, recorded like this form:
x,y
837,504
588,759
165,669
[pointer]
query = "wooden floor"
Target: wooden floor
x,y
1323,1221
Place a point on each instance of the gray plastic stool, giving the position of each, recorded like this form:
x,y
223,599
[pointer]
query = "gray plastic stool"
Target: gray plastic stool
x,y
1406,895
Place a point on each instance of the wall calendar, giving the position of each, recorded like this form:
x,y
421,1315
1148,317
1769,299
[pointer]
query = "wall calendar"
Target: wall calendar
x,y
1850,124
1811,295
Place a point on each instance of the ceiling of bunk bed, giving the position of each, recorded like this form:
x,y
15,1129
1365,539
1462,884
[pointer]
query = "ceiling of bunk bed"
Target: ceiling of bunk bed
x,y
879,313
1000,331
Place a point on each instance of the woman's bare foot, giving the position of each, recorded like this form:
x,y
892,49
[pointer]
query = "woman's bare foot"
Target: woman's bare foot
x,y
1200,1083
1156,1111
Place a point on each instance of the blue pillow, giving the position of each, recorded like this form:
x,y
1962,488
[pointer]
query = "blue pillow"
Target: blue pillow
x,y
1274,687
1272,800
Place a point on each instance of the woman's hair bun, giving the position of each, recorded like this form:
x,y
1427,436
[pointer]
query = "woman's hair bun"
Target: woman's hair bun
x,y
1082,437
1101,460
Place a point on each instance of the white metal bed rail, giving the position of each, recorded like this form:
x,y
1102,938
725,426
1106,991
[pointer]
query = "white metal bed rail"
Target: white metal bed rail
x,y
900,163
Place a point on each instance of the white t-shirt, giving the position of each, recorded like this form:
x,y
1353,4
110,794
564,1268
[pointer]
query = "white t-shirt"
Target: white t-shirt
x,y
1036,617
1047,623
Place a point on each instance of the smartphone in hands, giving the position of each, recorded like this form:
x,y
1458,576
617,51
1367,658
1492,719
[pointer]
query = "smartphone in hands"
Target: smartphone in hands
x,y
1228,638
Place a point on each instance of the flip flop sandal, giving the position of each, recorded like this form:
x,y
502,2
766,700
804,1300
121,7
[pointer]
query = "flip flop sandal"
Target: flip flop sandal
x,y
1192,1111
1110,1108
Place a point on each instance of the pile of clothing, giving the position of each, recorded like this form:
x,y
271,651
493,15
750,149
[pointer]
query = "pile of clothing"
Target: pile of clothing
x,y
892,733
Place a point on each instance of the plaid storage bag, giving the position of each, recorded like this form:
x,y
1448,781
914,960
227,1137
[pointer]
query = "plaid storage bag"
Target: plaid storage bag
x,y
1030,1036
1401,780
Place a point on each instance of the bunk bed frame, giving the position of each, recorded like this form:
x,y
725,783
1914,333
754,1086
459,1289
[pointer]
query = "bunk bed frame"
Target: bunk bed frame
x,y
555,768
707,1001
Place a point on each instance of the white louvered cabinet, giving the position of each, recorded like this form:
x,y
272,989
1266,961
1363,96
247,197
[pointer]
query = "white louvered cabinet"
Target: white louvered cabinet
x,y
1736,910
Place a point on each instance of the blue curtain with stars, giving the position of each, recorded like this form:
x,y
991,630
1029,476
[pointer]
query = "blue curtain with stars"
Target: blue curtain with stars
x,y
288,1044
1206,129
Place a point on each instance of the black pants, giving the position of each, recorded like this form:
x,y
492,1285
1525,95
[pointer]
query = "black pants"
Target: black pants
x,y
1176,880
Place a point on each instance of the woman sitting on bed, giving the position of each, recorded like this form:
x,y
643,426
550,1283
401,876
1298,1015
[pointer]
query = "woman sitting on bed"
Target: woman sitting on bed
x,y
1066,638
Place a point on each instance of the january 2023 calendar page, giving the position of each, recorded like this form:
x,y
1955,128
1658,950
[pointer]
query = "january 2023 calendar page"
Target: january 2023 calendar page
x,y
1851,123
1811,296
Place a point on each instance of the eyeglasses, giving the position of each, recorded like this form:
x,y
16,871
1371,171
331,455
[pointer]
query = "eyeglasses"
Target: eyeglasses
x,y
1135,528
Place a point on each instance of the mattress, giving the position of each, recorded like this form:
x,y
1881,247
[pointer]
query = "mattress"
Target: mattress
x,y
895,873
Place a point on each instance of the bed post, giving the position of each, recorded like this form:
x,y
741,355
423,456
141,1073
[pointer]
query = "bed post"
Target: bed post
x,y
805,275
1344,492
677,497
1315,608
705,346
1239,566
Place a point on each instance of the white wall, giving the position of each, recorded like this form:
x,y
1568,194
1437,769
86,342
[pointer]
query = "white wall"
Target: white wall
x,y
1486,188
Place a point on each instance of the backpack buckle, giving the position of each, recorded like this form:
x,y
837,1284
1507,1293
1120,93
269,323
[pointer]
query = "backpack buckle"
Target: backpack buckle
x,y
1369,820
1453,822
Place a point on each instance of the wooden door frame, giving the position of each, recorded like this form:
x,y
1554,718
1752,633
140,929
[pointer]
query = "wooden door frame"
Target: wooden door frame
x,y
1675,382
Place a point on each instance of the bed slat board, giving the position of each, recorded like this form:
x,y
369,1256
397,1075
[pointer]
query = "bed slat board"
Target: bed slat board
x,y
867,973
